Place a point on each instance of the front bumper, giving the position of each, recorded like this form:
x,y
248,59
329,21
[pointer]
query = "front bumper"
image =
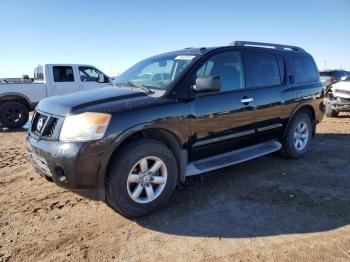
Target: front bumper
x,y
75,166
339,104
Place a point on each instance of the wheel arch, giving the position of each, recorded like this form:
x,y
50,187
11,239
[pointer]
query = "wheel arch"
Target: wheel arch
x,y
307,109
15,97
161,134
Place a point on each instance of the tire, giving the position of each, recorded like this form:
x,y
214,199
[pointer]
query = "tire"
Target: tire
x,y
13,114
291,147
330,112
119,190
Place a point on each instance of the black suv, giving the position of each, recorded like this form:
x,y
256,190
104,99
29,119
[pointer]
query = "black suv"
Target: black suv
x,y
176,115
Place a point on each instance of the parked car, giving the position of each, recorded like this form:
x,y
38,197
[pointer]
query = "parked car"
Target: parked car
x,y
130,144
3,81
16,100
339,98
332,76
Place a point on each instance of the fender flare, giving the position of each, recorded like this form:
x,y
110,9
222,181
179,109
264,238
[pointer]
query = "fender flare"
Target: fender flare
x,y
121,137
295,110
15,95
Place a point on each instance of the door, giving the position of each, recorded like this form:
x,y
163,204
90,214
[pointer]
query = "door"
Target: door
x,y
221,120
63,80
90,78
265,74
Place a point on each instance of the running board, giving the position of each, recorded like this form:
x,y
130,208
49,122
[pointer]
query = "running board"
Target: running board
x,y
232,158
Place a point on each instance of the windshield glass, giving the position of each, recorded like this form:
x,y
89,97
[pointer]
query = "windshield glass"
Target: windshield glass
x,y
155,72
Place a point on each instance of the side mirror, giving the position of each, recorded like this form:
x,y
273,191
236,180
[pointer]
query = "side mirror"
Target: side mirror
x,y
101,78
207,84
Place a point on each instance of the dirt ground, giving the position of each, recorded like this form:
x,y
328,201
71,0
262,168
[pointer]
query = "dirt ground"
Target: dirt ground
x,y
266,209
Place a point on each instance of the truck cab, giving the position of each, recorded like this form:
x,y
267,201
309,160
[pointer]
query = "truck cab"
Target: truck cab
x,y
66,78
16,100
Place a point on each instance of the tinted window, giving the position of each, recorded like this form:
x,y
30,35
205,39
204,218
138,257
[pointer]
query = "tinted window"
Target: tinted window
x,y
264,70
63,74
227,65
305,70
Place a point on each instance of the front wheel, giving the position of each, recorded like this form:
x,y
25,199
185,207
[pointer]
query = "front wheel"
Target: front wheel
x,y
298,137
141,178
13,114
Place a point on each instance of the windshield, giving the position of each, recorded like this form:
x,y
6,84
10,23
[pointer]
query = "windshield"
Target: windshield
x,y
155,72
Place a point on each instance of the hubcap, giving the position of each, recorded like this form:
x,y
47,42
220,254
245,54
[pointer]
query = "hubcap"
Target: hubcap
x,y
147,179
301,136
13,115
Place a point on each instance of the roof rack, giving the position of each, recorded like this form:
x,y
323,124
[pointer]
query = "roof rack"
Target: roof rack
x,y
275,46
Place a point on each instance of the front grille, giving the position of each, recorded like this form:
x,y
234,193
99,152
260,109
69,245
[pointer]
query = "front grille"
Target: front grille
x,y
45,125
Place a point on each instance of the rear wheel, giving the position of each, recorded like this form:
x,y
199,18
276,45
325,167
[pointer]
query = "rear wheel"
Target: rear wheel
x,y
141,178
13,114
298,137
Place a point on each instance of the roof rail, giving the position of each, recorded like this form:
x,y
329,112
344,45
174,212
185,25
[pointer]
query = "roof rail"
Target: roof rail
x,y
275,46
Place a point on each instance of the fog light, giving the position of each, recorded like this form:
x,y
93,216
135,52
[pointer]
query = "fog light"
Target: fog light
x,y
60,174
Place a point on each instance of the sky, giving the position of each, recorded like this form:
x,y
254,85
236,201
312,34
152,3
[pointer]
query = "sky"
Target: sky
x,y
114,35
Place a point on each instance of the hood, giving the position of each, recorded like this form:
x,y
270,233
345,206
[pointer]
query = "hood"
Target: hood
x,y
66,104
342,85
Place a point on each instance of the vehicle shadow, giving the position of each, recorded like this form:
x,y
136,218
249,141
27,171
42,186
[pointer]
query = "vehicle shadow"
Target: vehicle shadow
x,y
11,130
267,196
4,129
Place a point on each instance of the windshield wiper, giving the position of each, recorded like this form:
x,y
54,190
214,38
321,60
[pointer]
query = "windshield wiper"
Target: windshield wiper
x,y
133,84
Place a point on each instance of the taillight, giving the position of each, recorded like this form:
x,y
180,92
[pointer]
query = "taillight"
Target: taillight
x,y
333,79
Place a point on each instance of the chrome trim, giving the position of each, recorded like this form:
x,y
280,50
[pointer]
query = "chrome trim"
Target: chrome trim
x,y
265,128
225,137
247,100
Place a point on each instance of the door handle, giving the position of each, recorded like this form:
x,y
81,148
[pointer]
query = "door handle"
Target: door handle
x,y
246,100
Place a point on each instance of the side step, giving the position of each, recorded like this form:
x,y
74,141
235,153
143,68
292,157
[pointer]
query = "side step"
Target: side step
x,y
232,158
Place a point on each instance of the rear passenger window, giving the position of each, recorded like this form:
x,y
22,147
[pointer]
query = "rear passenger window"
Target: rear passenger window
x,y
228,66
305,70
264,70
63,74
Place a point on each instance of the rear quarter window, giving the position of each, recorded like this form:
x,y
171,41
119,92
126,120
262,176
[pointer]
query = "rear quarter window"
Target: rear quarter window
x,y
305,69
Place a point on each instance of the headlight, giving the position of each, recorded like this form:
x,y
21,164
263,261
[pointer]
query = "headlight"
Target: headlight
x,y
84,127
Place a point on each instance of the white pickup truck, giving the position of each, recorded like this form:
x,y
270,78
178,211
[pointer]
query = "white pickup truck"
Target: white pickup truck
x,y
16,100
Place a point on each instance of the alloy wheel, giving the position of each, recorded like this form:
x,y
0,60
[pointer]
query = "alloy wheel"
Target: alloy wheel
x,y
301,136
147,179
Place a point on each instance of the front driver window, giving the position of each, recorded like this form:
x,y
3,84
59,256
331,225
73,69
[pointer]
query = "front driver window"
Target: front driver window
x,y
228,66
90,74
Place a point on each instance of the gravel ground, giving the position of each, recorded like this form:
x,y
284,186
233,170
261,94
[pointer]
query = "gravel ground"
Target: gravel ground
x,y
266,209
